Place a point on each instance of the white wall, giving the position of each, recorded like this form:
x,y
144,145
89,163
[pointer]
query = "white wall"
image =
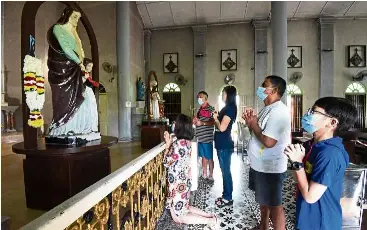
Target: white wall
x,y
171,41
347,32
240,37
303,33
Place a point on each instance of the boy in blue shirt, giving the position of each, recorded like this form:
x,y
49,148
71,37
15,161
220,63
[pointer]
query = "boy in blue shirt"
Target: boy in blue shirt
x,y
320,165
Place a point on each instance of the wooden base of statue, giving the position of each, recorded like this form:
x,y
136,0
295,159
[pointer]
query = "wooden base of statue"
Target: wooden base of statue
x,y
53,174
152,134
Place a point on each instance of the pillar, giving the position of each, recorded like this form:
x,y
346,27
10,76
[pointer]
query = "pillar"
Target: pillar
x,y
199,59
261,57
147,59
123,66
326,27
279,40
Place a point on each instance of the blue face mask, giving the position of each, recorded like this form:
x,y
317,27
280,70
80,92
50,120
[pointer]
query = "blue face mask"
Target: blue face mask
x,y
308,121
261,93
200,101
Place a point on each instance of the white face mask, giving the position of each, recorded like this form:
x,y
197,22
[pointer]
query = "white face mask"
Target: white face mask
x,y
200,101
173,127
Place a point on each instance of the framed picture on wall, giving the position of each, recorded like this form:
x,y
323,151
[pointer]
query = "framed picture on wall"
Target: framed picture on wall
x,y
294,59
170,63
356,56
228,60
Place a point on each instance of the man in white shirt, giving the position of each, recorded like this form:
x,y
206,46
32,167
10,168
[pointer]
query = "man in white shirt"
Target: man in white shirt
x,y
271,133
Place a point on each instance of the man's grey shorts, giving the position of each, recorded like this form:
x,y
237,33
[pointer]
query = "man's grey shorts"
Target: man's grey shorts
x,y
267,187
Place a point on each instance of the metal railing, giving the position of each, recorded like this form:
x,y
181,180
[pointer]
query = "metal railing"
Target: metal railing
x,y
131,198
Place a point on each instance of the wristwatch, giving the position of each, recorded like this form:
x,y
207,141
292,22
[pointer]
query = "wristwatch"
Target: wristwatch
x,y
297,165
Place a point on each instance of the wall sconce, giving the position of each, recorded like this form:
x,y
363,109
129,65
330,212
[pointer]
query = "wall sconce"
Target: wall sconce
x,y
200,55
262,52
327,50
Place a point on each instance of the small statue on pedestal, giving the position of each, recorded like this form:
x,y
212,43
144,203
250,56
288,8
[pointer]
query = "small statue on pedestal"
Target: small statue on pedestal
x,y
154,98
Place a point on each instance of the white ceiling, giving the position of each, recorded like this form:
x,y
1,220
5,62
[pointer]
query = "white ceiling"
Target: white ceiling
x,y
158,14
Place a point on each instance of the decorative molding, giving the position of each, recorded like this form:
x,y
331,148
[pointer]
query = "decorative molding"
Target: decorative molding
x,y
327,21
199,30
260,24
147,34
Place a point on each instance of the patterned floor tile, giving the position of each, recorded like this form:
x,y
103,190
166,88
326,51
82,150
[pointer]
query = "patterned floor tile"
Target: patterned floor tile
x,y
245,212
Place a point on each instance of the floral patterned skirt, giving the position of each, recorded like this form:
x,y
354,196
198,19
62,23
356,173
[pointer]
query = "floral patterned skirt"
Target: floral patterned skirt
x,y
178,194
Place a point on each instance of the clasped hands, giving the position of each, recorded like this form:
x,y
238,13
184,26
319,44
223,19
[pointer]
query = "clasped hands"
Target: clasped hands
x,y
250,117
295,152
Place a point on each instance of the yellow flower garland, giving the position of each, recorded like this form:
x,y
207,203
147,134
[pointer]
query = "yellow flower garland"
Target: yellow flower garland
x,y
34,88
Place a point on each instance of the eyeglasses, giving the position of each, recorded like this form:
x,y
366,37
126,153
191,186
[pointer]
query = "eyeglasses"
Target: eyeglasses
x,y
311,111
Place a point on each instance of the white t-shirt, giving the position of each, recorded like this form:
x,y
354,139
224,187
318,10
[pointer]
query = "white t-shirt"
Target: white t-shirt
x,y
275,122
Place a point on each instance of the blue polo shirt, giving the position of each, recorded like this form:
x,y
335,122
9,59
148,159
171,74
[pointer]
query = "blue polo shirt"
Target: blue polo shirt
x,y
326,165
223,140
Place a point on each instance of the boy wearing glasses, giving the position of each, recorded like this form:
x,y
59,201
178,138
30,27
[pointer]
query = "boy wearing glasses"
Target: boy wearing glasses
x,y
321,164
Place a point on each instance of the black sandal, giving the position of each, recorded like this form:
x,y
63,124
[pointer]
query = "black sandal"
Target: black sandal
x,y
220,202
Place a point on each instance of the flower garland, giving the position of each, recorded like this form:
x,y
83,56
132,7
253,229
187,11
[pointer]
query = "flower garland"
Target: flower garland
x,y
34,89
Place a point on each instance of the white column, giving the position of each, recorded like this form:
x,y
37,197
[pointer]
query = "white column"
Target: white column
x,y
199,60
326,26
147,57
123,66
2,49
261,57
279,40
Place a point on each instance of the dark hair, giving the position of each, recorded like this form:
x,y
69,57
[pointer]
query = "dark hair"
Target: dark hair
x,y
86,61
203,92
66,15
339,108
279,83
231,92
183,127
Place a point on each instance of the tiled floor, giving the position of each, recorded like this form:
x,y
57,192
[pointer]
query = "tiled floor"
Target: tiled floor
x,y
245,212
13,203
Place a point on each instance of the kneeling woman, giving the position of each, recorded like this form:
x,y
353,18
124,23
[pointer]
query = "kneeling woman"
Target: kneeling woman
x,y
177,161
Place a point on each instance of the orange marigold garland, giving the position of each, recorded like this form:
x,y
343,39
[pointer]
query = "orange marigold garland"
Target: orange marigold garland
x,y
34,89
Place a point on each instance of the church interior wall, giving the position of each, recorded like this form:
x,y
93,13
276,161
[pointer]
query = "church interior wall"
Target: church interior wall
x,y
303,33
171,41
347,32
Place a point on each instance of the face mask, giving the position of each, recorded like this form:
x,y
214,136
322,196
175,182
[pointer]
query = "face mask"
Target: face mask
x,y
173,127
308,123
200,101
261,94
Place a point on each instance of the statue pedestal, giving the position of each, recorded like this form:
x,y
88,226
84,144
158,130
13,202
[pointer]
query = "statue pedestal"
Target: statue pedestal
x,y
152,134
137,115
53,174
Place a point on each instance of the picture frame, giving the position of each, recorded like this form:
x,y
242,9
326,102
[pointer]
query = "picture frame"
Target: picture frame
x,y
356,56
170,63
228,61
294,59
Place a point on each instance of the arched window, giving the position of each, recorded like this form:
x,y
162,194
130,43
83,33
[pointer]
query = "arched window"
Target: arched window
x,y
356,93
172,101
171,87
295,103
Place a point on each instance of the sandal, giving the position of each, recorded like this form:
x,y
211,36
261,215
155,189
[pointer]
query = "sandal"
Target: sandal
x,y
220,202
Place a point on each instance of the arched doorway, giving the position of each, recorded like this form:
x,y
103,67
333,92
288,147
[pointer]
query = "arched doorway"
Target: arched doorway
x,y
295,103
172,101
356,93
